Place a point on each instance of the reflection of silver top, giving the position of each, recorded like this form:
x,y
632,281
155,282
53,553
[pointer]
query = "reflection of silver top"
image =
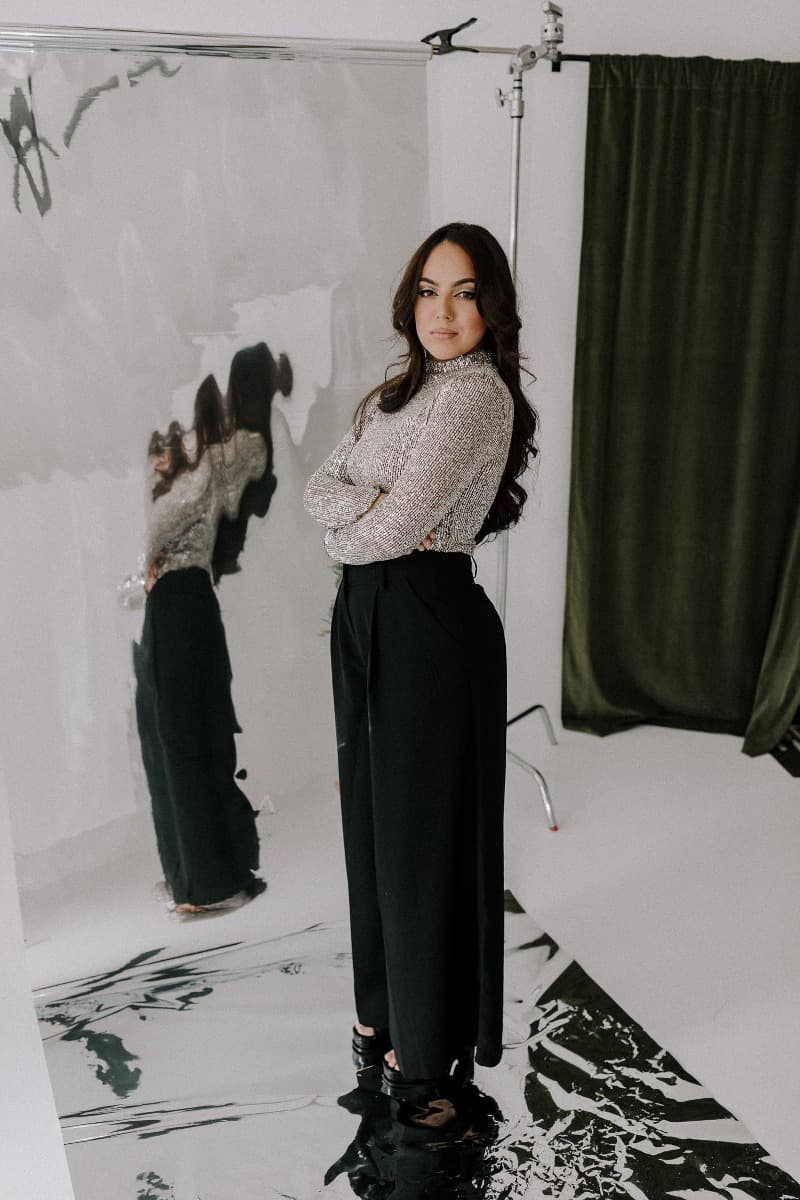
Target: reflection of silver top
x,y
439,460
182,524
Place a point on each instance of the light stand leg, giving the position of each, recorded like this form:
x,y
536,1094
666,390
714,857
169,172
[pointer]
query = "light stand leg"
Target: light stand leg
x,y
552,824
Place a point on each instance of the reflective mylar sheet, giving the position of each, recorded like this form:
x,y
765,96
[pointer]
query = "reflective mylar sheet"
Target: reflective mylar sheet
x,y
158,214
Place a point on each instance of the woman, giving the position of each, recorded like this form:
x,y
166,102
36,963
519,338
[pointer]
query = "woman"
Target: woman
x,y
429,468
205,826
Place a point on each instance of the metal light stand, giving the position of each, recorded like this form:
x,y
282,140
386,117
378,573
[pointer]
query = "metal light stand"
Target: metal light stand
x,y
522,60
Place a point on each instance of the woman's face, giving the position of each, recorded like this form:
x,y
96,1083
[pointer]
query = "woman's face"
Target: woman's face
x,y
446,310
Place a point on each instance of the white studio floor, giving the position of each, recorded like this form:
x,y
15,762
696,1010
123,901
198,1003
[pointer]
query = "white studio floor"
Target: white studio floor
x,y
674,882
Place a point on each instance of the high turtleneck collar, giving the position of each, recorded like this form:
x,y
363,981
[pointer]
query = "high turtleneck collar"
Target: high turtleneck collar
x,y
436,366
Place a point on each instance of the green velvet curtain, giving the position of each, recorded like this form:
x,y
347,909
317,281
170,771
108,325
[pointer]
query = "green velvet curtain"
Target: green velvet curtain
x,y
683,596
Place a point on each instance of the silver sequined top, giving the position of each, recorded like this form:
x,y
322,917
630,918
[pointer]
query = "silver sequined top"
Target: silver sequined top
x,y
182,524
439,459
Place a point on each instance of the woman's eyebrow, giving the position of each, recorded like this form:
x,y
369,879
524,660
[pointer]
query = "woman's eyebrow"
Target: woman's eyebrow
x,y
458,282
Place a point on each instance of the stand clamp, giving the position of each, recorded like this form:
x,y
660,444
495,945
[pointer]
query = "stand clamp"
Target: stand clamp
x,y
445,36
528,56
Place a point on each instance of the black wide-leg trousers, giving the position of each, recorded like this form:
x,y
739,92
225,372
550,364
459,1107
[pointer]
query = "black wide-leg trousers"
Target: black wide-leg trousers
x,y
419,684
205,826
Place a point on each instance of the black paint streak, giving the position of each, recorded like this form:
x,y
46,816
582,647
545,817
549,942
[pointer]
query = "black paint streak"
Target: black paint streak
x,y
86,100
154,1187
23,137
544,941
113,1068
152,64
158,1118
175,984
153,1133
134,76
511,904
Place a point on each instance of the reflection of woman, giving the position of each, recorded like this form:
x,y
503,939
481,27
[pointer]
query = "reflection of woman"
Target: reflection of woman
x,y
429,467
387,1158
205,826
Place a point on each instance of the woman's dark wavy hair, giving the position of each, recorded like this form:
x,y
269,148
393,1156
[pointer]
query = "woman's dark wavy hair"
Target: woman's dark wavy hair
x,y
254,378
209,427
497,304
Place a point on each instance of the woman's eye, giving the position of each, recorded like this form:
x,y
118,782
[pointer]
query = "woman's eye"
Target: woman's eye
x,y
468,295
425,292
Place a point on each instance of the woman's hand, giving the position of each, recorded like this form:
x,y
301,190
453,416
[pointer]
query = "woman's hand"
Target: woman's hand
x,y
152,574
427,541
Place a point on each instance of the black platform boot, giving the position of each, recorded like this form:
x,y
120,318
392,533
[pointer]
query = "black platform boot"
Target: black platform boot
x,y
429,1103
368,1052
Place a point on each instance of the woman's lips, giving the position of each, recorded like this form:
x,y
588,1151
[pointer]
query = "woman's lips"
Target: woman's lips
x,y
443,333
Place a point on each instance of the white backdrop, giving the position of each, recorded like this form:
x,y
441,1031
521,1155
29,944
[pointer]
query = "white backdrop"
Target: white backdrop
x,y
177,210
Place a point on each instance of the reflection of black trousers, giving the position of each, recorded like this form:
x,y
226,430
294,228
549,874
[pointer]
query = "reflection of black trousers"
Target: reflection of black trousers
x,y
205,826
419,684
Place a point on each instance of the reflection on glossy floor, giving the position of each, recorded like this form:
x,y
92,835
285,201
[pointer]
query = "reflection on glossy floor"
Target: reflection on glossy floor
x,y
222,1073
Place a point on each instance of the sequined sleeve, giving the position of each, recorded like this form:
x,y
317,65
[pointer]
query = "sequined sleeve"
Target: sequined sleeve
x,y
241,460
176,512
330,496
467,434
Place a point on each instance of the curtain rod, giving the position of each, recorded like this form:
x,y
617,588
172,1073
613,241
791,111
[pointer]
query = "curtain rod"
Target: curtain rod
x,y
68,37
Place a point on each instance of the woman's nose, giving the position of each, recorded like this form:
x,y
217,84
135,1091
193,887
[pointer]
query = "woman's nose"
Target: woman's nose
x,y
445,308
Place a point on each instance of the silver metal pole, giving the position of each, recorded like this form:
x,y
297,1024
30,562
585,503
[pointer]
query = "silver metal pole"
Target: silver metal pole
x,y
517,105
517,113
525,58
